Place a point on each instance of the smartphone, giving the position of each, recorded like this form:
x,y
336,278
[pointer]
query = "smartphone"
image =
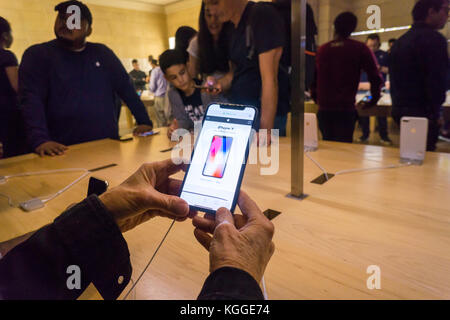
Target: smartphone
x,y
214,176
207,87
218,156
149,133
367,98
97,186
413,139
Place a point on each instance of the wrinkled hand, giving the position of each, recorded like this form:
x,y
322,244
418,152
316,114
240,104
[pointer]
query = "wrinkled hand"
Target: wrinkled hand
x,y
51,148
243,242
143,128
148,193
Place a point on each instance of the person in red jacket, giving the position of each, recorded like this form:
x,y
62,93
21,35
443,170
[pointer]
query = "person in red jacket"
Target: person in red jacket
x,y
339,64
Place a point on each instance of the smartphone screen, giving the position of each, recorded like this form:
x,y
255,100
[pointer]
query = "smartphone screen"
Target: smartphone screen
x,y
367,98
218,155
149,133
217,166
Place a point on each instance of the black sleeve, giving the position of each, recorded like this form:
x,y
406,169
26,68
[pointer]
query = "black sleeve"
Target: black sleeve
x,y
369,65
436,67
230,284
33,94
268,28
123,86
85,236
8,59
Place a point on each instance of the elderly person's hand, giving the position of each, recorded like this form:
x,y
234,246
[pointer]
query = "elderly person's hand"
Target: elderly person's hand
x,y
243,242
148,193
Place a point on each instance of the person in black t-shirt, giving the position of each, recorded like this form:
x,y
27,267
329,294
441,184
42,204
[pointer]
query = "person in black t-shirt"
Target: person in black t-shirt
x,y
11,128
256,49
418,68
138,76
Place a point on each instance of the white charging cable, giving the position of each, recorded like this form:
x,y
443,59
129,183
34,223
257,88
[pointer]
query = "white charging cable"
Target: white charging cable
x,y
317,164
391,166
10,202
4,179
66,187
38,203
266,297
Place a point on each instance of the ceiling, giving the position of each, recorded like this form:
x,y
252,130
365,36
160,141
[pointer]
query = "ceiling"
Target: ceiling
x,y
154,2
141,5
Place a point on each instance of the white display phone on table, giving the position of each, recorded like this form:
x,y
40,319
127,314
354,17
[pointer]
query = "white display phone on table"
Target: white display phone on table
x,y
413,139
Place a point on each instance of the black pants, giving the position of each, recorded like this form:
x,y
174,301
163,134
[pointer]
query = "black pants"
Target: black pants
x,y
433,132
364,122
337,125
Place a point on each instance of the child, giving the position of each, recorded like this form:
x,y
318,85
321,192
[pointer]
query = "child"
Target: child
x,y
187,101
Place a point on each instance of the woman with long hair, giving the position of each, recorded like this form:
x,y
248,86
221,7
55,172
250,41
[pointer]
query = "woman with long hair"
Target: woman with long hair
x,y
208,51
12,134
183,37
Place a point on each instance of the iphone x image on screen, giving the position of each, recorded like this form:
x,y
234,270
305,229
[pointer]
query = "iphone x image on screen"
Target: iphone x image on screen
x,y
218,156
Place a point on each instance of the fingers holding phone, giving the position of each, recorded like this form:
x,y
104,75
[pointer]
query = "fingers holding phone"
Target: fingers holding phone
x,y
212,86
240,241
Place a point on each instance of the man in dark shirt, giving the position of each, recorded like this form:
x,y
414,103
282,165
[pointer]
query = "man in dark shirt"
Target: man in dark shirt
x,y
256,49
12,134
68,88
418,68
374,43
391,44
138,76
338,70
88,236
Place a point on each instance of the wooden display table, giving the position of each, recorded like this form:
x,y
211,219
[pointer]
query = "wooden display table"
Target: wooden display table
x,y
397,219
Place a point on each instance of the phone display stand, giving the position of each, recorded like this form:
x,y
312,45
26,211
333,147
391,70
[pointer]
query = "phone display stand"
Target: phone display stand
x,y
271,214
311,137
413,140
322,178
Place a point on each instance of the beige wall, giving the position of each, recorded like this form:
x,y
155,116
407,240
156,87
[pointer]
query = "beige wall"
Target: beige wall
x,y
182,17
130,33
136,34
393,13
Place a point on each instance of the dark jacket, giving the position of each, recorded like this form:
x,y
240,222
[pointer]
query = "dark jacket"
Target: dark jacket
x,y
88,237
418,72
69,97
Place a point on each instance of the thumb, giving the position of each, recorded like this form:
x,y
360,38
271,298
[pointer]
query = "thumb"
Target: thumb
x,y
172,205
224,216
